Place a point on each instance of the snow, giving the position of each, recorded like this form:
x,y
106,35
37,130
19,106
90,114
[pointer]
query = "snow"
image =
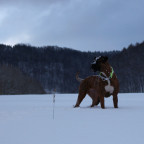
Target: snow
x,y
28,119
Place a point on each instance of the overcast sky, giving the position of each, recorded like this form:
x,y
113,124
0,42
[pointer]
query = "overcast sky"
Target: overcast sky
x,y
86,25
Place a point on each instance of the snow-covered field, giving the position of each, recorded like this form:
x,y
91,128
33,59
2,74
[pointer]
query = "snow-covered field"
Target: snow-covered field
x,y
28,119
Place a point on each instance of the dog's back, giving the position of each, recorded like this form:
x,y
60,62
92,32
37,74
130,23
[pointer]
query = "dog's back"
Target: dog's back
x,y
90,82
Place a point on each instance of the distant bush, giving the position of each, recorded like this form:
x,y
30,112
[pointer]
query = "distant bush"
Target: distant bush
x,y
13,81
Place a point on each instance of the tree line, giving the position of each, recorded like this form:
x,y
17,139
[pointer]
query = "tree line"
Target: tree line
x,y
55,67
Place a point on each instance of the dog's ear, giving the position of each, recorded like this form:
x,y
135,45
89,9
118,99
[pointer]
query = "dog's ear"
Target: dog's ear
x,y
104,59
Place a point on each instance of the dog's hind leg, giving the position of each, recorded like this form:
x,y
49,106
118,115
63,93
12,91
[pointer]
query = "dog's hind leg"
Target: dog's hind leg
x,y
81,96
97,102
93,93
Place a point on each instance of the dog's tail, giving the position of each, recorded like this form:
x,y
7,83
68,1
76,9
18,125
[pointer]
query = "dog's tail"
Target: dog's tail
x,y
78,78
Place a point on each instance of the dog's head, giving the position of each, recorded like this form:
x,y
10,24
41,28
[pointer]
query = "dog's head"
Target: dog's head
x,y
96,64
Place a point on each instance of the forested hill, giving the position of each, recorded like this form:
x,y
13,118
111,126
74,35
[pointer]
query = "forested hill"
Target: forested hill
x,y
55,67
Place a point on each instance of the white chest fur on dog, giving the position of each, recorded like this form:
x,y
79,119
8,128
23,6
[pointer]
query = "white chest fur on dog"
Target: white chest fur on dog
x,y
109,88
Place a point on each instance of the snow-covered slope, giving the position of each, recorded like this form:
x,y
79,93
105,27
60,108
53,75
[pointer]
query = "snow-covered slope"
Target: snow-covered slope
x,y
28,119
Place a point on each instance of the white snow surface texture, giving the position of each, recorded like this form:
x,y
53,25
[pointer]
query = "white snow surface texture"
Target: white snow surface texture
x,y
28,119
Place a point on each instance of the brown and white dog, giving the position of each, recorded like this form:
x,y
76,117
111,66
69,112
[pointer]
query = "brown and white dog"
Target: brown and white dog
x,y
99,86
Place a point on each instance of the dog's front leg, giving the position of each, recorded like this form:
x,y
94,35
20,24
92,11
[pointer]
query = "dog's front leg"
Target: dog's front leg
x,y
115,100
102,101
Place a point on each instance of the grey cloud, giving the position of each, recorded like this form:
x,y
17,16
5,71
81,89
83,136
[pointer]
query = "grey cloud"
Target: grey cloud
x,y
34,2
79,24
